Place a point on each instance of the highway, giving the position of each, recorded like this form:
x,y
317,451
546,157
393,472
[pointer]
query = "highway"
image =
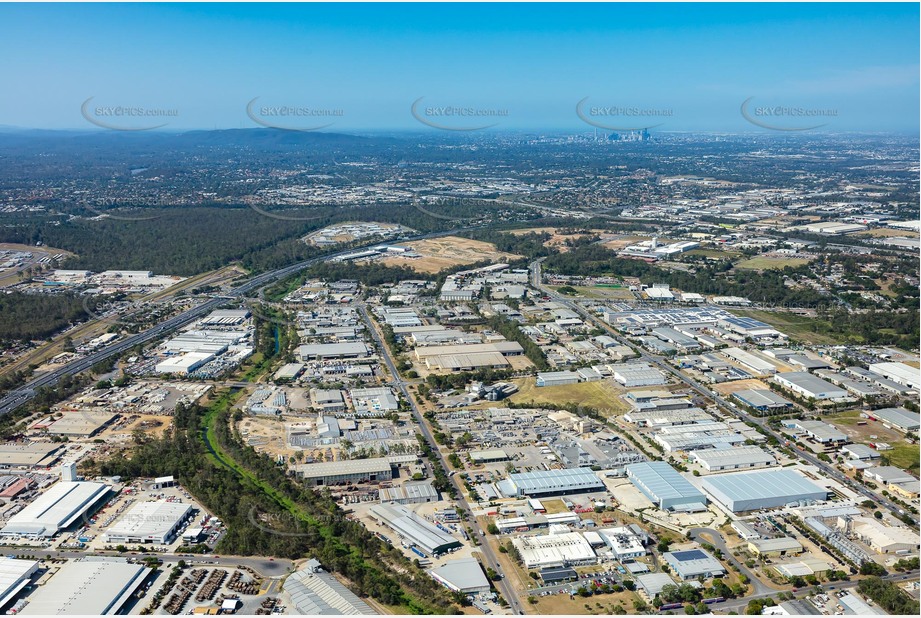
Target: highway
x,y
492,561
21,395
827,469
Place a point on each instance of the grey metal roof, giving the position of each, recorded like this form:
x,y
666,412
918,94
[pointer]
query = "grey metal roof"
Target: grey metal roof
x,y
733,456
899,417
543,481
317,593
464,574
774,487
91,585
663,481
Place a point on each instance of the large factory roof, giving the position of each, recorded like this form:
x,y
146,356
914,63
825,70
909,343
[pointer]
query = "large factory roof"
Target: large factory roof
x,y
149,520
55,509
348,466
900,417
542,482
14,575
88,586
743,491
661,483
413,529
314,592
729,457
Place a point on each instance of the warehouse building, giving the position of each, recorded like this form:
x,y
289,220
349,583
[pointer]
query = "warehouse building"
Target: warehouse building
x,y
887,475
751,328
631,375
860,452
88,586
15,575
882,538
374,401
765,489
504,348
757,365
346,472
557,378
661,418
410,492
464,575
466,362
561,549
56,509
414,530
898,418
314,592
653,583
488,456
82,424
28,454
324,351
550,483
665,487
149,522
900,373
774,548
809,386
763,400
184,364
697,436
694,563
820,432
740,458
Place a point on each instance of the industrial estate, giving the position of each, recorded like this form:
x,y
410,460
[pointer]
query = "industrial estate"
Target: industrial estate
x,y
632,371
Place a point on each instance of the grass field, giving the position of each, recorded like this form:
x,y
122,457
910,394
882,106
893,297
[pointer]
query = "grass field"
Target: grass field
x,y
622,293
884,232
714,253
601,395
764,263
801,328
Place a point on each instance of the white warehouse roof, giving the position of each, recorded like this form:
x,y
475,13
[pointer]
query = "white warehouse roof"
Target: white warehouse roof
x,y
88,586
56,509
14,575
148,522
749,491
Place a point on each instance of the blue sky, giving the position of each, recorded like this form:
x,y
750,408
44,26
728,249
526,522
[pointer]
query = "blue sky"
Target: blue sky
x,y
533,62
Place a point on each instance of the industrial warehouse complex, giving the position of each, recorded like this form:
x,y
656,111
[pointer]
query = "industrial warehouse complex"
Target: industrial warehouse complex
x,y
665,487
752,491
56,509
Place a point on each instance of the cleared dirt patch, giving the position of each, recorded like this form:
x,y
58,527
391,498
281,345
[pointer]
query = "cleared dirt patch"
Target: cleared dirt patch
x,y
441,253
727,388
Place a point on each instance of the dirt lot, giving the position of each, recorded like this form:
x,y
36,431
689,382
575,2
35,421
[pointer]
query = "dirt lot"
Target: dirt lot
x,y
727,388
883,232
602,395
767,263
902,455
441,253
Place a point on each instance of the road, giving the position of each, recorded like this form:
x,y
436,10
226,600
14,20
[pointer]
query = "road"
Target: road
x,y
716,539
21,395
738,605
492,561
264,566
659,361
